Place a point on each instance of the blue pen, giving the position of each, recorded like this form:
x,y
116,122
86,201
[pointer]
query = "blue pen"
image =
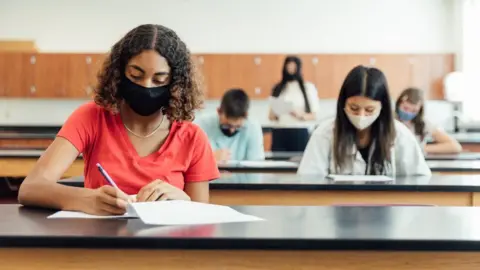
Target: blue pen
x,y
106,176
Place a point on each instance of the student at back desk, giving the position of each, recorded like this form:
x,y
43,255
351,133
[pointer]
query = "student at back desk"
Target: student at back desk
x,y
232,134
139,129
364,139
409,110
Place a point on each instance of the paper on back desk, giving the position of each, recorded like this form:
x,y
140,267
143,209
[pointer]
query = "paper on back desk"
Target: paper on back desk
x,y
172,213
360,178
268,163
259,164
280,106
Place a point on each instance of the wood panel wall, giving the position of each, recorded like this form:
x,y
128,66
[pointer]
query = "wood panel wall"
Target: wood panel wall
x,y
56,75
42,75
258,73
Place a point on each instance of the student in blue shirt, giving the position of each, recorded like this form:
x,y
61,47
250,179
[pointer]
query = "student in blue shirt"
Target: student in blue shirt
x,y
231,135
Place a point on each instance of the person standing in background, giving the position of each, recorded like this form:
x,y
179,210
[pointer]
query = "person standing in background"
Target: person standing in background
x,y
409,110
231,134
290,135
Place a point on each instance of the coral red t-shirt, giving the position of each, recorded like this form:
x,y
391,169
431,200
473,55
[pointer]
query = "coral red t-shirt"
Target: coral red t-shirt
x,y
186,155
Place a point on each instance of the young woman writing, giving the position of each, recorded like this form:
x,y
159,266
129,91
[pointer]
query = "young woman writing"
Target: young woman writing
x,y
139,129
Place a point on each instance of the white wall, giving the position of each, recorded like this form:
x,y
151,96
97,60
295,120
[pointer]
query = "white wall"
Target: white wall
x,y
262,26
229,26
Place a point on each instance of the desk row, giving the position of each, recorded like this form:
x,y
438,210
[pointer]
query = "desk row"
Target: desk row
x,y
278,156
291,189
329,237
15,166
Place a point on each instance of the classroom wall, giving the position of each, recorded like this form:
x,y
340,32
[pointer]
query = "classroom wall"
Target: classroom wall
x,y
229,27
226,26
51,112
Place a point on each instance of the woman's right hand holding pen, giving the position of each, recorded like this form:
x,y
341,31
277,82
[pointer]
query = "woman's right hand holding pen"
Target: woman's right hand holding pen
x,y
105,201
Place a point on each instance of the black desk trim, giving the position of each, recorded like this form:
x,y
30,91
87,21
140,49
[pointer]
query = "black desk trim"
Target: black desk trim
x,y
234,243
344,187
328,187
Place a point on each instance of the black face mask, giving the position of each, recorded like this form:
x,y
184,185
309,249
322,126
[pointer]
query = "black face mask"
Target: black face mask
x,y
291,77
226,131
144,101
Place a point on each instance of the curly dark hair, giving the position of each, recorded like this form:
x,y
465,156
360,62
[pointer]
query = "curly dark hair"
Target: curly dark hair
x,y
185,86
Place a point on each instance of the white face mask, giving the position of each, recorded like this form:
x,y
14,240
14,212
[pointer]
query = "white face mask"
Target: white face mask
x,y
361,122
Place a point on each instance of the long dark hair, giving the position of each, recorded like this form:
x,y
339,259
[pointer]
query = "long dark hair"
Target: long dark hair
x,y
278,88
414,96
371,83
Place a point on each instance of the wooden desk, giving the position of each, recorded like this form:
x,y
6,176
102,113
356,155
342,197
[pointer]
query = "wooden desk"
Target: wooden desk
x,y
297,156
290,238
290,189
437,166
455,166
18,163
470,141
27,137
21,166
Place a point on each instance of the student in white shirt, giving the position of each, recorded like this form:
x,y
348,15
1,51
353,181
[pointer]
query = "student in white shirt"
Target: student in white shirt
x,y
364,138
409,110
291,136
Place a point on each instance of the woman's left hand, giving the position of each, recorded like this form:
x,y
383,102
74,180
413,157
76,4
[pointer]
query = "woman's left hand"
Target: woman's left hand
x,y
299,116
159,190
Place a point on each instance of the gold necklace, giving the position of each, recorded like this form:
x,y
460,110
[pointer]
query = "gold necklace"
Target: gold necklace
x,y
148,135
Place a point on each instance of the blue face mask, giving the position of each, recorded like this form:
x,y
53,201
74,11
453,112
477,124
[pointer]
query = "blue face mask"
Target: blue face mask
x,y
405,116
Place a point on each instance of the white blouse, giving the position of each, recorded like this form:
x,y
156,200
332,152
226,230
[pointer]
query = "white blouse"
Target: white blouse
x,y
429,129
293,93
407,157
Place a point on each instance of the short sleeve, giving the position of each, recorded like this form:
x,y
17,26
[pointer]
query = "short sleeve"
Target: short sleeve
x,y
313,99
430,128
203,166
79,128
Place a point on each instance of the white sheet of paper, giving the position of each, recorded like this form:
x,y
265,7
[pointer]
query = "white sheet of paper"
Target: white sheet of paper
x,y
280,106
264,163
172,213
359,178
72,214
188,213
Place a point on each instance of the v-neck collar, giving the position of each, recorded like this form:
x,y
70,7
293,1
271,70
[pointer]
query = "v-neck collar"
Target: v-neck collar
x,y
131,148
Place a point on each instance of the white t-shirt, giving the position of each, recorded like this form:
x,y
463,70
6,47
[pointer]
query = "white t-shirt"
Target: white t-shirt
x,y
293,93
429,129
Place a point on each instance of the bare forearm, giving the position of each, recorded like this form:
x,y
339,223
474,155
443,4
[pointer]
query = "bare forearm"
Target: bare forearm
x,y
198,191
442,148
51,195
309,116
